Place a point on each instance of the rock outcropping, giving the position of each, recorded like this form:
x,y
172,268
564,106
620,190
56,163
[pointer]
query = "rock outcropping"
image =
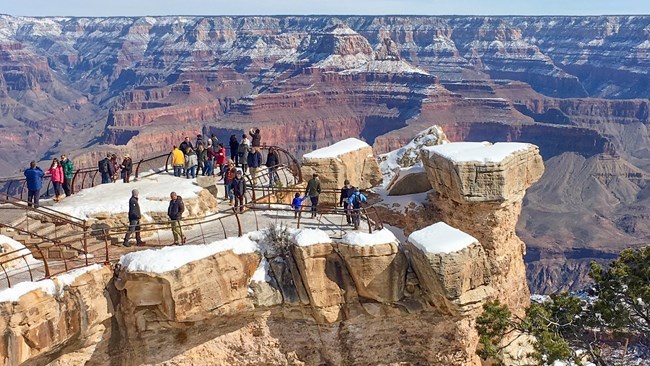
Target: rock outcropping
x,y
299,296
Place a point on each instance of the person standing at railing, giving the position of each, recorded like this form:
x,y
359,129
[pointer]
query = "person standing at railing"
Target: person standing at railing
x,y
34,177
254,161
221,158
238,190
178,160
202,158
183,147
115,166
134,220
272,161
56,172
228,177
313,191
105,168
296,204
191,163
68,174
256,137
212,156
127,167
346,192
354,202
175,212
234,149
242,152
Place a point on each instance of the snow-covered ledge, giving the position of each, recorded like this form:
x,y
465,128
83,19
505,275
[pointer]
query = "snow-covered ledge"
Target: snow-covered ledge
x,y
452,267
481,171
350,159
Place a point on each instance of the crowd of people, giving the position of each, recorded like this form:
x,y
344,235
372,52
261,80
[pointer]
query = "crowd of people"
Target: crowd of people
x,y
206,157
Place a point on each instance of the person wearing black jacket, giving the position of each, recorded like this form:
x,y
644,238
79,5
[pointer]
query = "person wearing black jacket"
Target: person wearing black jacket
x,y
239,189
234,149
105,167
127,167
175,212
134,220
346,192
256,137
272,161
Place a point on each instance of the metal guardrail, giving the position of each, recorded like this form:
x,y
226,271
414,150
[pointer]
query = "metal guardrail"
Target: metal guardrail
x,y
78,240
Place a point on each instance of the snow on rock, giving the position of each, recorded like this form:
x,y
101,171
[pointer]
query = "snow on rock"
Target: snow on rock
x,y
401,204
307,237
482,152
55,286
385,67
8,245
408,156
383,236
337,149
114,197
262,272
171,258
441,238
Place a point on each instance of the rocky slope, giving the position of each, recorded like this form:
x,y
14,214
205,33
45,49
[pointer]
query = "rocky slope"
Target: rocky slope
x,y
568,84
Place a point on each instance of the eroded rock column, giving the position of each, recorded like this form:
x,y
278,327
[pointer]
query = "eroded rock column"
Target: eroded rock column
x,y
479,190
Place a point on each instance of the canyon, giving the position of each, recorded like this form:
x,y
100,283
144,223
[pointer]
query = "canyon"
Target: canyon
x,y
574,86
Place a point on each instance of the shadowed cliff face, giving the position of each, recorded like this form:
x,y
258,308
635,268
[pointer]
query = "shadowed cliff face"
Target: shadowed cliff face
x,y
568,84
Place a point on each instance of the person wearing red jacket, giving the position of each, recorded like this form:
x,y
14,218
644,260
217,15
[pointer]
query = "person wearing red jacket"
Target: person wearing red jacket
x,y
56,171
221,158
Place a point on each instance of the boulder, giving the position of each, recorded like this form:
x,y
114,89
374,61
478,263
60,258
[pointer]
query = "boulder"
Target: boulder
x,y
409,181
451,266
482,172
377,266
326,279
183,295
350,159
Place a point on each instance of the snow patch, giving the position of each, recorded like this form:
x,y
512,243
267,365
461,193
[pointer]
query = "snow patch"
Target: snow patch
x,y
262,272
307,237
54,286
337,149
113,198
482,152
441,238
383,236
385,67
171,258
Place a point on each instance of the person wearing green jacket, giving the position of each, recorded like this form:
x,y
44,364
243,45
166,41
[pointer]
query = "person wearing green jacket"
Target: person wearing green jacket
x,y
68,173
313,191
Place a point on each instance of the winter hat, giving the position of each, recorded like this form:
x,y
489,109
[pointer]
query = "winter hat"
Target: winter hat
x,y
134,192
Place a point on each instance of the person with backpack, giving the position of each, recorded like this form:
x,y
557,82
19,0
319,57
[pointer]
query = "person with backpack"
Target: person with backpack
x,y
106,169
68,174
243,148
175,212
127,167
313,191
354,202
191,163
56,173
234,149
134,220
239,190
212,158
34,177
346,192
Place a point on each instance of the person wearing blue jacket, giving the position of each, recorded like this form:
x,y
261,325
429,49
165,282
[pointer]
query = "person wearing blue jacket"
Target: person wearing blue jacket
x,y
34,176
296,204
354,204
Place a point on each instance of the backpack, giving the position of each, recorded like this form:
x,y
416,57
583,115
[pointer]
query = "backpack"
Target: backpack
x,y
103,166
356,200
